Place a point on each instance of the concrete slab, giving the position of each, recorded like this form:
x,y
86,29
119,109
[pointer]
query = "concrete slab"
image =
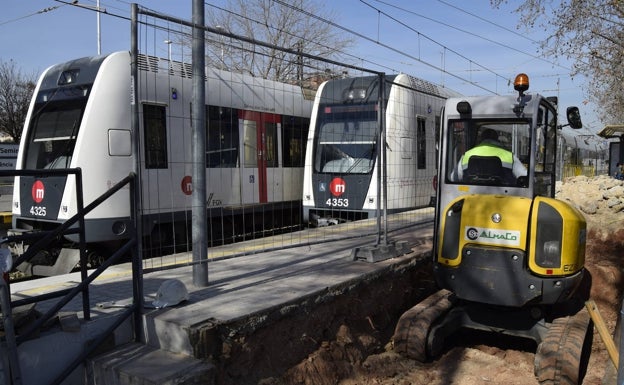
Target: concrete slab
x,y
135,364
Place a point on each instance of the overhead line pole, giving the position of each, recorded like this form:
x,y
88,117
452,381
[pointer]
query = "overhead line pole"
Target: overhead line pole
x,y
199,218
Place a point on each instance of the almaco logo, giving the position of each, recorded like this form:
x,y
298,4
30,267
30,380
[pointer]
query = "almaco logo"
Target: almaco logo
x,y
492,236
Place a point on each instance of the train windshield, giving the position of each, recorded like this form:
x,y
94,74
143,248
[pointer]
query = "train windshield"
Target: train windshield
x,y
53,129
488,152
346,141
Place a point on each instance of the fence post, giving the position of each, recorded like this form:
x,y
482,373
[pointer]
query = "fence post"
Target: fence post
x,y
6,263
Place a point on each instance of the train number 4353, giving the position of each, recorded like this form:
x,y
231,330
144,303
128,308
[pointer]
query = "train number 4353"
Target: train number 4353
x,y
38,211
337,202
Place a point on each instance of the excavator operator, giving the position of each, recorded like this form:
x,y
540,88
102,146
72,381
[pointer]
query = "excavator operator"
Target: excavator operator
x,y
489,159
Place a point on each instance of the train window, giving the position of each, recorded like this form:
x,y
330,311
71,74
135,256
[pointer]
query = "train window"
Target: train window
x,y
250,140
222,137
54,135
294,138
346,142
421,144
270,144
155,130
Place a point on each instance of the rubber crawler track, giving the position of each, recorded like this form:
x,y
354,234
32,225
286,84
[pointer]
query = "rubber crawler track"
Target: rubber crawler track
x,y
561,358
410,334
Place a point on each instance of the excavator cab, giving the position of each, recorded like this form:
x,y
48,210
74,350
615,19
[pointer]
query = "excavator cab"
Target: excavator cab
x,y
508,257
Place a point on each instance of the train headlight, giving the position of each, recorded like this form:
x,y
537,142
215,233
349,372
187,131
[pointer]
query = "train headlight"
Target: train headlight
x,y
68,77
119,228
355,94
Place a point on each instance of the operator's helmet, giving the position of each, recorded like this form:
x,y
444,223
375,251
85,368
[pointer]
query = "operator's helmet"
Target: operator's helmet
x,y
170,293
490,134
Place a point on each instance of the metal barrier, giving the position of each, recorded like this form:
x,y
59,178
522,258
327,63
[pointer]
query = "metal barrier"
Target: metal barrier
x,y
576,170
45,238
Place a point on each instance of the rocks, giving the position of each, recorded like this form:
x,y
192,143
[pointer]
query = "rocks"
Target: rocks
x,y
600,199
589,208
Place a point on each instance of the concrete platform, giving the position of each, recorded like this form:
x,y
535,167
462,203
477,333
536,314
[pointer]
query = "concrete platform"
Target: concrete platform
x,y
216,336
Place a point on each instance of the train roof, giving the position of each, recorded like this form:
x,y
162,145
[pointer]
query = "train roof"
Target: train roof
x,y
158,65
582,140
428,87
332,90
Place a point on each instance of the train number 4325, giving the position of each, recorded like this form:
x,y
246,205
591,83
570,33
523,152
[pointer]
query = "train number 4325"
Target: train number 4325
x,y
337,202
38,211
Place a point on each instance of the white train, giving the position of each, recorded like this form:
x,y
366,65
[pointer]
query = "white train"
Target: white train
x,y
341,167
80,116
582,154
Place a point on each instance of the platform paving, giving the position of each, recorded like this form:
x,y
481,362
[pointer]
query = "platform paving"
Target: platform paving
x,y
246,291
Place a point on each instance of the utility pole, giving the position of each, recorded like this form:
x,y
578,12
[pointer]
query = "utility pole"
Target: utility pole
x,y
99,35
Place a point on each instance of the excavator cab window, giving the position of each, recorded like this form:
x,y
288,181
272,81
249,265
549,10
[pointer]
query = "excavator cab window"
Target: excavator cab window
x,y
545,151
488,152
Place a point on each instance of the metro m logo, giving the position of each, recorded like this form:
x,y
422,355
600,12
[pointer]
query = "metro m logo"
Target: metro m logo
x,y
38,191
337,187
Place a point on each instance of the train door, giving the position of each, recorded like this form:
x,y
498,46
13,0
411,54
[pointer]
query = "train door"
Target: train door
x,y
260,154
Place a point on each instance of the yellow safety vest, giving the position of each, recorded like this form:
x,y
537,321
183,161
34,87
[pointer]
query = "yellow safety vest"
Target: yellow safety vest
x,y
486,149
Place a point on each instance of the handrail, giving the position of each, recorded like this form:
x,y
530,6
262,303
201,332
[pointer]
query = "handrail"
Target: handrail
x,y
73,292
68,294
134,308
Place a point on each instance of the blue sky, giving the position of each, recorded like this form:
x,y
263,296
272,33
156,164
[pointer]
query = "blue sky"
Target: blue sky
x,y
469,40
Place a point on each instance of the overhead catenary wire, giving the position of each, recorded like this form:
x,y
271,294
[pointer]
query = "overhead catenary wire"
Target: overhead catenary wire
x,y
44,10
367,61
468,32
386,46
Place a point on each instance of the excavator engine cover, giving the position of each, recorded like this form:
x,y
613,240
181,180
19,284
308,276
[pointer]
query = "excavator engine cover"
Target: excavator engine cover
x,y
511,251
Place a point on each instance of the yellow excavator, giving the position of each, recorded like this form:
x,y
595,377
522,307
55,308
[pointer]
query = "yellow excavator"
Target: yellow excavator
x,y
508,257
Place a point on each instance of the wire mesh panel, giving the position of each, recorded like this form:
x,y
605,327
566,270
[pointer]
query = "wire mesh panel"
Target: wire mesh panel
x,y
256,132
334,149
305,152
371,150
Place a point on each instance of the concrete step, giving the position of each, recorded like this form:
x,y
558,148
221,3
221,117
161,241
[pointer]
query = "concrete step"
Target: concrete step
x,y
44,357
139,364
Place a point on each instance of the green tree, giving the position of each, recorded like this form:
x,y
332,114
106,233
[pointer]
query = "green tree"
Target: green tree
x,y
591,34
16,90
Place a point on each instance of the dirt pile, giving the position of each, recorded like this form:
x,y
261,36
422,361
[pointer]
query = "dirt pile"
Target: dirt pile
x,y
600,199
357,354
